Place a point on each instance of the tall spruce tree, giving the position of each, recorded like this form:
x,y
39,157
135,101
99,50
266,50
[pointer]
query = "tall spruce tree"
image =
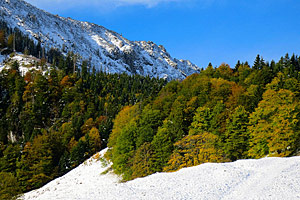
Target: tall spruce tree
x,y
236,142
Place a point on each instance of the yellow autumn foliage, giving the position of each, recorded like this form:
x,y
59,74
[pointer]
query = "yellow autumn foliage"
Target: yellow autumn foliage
x,y
193,150
274,125
127,114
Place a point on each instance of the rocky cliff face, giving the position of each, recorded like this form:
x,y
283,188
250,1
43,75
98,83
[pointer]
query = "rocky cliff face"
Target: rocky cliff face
x,y
106,49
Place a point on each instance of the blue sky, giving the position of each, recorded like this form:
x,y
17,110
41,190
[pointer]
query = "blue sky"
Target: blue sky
x,y
202,31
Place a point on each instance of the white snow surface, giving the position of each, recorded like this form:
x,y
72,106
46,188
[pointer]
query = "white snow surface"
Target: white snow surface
x,y
267,178
26,63
107,50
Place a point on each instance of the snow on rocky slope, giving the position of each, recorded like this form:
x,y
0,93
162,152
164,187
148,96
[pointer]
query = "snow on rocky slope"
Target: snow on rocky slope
x,y
26,63
106,49
267,178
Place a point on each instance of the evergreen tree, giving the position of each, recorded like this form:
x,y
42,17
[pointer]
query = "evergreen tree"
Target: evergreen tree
x,y
257,63
163,146
237,134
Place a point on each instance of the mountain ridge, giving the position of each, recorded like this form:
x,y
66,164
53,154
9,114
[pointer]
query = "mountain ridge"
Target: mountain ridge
x,y
105,49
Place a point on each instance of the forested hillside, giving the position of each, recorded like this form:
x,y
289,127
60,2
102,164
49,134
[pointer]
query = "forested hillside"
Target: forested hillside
x,y
52,120
219,115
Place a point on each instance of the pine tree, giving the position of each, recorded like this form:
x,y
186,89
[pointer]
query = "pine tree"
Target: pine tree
x,y
236,145
237,65
257,63
163,146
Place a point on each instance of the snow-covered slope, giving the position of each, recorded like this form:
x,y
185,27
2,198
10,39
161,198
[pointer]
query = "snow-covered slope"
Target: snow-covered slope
x,y
267,178
106,49
26,63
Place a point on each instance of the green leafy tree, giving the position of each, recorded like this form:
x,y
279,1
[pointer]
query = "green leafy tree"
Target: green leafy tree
x,y
202,121
9,187
224,71
274,126
149,122
123,151
125,116
209,120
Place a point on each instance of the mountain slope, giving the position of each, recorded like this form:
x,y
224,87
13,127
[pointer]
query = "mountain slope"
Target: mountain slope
x,y
107,50
26,63
267,178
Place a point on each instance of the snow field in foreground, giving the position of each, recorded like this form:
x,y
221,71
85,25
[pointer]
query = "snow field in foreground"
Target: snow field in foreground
x,y
267,178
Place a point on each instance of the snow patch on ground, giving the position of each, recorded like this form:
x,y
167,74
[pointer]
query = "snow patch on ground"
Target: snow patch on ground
x,y
267,178
26,63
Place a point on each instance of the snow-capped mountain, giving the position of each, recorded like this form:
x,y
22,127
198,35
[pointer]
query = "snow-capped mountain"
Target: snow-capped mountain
x,y
106,49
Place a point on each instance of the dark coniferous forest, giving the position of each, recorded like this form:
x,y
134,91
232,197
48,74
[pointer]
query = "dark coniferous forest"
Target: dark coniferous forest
x,y
51,122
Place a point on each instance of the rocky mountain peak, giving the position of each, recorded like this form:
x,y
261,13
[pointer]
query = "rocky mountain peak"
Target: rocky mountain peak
x,y
101,46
